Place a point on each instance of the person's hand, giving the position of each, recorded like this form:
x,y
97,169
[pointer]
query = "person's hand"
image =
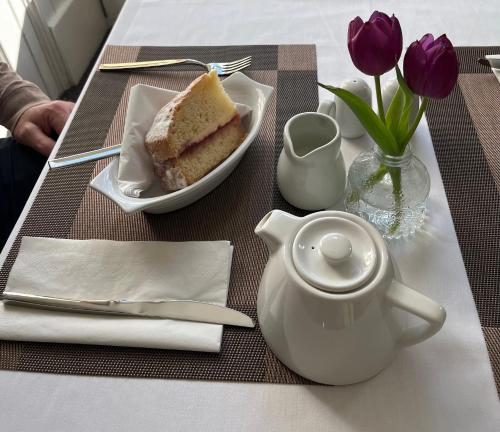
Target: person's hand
x,y
37,124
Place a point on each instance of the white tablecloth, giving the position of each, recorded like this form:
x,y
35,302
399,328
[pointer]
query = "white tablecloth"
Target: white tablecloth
x,y
444,384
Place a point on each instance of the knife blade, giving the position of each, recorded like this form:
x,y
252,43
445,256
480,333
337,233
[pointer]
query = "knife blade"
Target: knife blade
x,y
186,310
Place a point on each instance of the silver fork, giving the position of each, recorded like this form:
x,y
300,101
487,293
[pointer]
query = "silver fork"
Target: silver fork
x,y
221,68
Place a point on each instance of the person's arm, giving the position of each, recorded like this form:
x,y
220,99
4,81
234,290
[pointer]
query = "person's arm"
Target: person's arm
x,y
16,96
28,113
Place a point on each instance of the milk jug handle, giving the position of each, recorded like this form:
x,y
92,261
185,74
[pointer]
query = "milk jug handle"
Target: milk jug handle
x,y
327,107
409,300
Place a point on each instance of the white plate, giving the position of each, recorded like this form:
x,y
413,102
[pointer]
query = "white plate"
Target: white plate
x,y
242,90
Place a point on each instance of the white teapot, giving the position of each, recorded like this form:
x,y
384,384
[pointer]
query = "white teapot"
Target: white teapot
x,y
328,300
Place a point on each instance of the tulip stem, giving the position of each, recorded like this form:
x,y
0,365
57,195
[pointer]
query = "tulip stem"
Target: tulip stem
x,y
413,128
395,173
380,105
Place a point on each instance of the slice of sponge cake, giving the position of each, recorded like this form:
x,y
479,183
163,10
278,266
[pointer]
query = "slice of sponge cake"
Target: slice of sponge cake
x,y
193,133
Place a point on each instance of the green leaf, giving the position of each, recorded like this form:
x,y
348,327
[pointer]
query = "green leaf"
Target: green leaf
x,y
420,113
404,120
404,124
394,112
402,82
368,118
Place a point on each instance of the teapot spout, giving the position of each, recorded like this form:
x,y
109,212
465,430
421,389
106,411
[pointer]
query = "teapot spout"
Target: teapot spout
x,y
275,227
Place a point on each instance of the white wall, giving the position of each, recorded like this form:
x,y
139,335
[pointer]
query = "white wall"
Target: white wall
x,y
15,44
112,8
78,28
51,42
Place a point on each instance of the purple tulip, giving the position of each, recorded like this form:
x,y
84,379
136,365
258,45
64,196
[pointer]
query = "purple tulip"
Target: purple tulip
x,y
375,45
431,66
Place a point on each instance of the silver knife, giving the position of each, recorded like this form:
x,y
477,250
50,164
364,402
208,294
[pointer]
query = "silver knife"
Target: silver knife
x,y
187,310
81,158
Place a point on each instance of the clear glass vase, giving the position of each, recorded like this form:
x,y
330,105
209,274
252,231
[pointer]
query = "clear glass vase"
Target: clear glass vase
x,y
389,191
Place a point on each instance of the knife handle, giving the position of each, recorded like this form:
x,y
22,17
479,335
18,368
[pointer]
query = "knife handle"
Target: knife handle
x,y
81,158
98,305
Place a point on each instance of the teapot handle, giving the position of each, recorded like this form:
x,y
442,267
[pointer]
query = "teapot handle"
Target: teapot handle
x,y
409,300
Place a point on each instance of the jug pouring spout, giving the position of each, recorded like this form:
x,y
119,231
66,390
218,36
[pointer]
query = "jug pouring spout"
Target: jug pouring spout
x,y
275,227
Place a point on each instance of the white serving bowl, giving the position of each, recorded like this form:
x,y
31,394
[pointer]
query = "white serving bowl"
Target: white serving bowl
x,y
242,90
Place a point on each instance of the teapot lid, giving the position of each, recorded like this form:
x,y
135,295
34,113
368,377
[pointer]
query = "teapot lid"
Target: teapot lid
x,y
334,254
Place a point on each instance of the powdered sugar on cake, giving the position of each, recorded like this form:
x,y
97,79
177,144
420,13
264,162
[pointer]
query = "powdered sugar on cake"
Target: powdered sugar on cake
x,y
161,123
171,177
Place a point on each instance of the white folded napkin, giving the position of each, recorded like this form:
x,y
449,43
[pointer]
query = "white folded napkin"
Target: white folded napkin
x,y
104,269
135,171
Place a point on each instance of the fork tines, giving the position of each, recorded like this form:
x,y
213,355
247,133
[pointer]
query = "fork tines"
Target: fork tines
x,y
234,66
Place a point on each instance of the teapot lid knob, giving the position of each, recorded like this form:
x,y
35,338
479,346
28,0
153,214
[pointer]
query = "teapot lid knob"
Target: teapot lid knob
x,y
335,247
334,254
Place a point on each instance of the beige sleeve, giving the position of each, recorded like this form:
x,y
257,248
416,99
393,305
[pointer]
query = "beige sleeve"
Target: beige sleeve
x,y
16,96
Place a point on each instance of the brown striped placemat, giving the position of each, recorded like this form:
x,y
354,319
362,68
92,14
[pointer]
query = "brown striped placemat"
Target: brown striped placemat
x,y
465,131
66,207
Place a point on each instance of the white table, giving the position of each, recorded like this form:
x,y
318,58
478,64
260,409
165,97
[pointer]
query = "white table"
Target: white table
x,y
444,384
